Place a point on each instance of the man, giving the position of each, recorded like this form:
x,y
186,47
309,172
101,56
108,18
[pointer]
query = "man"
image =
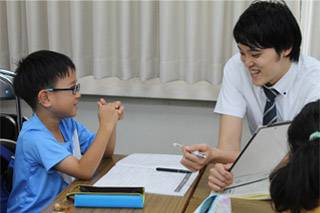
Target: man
x,y
268,81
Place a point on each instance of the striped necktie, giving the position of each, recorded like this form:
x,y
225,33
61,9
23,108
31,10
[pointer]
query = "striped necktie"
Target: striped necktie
x,y
270,110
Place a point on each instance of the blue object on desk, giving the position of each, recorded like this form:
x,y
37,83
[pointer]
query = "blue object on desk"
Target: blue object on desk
x,y
109,200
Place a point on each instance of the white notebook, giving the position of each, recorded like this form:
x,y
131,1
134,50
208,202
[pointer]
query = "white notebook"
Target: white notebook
x,y
140,170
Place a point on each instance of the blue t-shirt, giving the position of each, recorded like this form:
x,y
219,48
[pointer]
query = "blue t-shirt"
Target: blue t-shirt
x,y
35,181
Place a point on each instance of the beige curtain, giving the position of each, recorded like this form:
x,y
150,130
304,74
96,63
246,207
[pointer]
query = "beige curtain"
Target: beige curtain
x,y
169,40
310,23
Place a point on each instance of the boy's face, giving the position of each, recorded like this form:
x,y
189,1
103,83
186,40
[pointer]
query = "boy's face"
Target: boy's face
x,y
64,103
265,66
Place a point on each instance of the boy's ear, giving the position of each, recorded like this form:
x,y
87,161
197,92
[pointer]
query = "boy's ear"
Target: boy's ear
x,y
43,98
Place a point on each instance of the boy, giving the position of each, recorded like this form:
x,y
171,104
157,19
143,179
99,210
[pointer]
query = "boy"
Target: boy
x,y
269,81
50,145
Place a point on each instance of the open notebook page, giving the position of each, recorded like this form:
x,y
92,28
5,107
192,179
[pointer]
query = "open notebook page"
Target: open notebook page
x,y
140,170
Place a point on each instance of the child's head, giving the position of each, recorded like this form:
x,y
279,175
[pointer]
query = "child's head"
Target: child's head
x,y
295,186
306,123
40,71
269,24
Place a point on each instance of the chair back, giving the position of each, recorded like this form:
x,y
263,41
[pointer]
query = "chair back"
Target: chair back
x,y
8,127
7,151
7,92
6,87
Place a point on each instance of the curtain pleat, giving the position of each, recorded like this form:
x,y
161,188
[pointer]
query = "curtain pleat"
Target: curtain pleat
x,y
59,29
81,36
16,33
103,39
4,45
37,25
147,40
315,31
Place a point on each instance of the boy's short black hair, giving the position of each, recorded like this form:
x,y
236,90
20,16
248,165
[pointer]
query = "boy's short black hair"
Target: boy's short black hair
x,y
269,24
40,70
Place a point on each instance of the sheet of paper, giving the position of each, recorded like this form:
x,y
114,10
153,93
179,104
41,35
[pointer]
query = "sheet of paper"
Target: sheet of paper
x,y
140,170
258,190
249,178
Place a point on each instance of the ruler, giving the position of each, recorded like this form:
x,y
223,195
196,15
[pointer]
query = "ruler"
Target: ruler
x,y
183,182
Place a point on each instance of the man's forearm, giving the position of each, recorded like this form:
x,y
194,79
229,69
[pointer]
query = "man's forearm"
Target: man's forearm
x,y
223,156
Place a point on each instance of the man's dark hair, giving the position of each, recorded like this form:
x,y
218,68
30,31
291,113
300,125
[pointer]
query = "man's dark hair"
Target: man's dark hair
x,y
38,71
295,186
269,24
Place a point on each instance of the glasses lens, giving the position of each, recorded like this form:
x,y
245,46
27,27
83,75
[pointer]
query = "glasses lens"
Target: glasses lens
x,y
76,89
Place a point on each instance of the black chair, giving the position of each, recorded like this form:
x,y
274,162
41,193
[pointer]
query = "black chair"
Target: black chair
x,y
15,117
7,150
6,85
7,92
8,127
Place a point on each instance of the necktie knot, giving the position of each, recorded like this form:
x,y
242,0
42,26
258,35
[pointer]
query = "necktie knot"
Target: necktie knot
x,y
270,93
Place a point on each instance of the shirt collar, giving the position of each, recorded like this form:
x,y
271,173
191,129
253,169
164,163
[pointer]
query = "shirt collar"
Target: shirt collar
x,y
36,123
285,83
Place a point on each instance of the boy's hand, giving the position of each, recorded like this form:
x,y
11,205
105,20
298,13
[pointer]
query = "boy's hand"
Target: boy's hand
x,y
117,105
107,113
219,177
119,108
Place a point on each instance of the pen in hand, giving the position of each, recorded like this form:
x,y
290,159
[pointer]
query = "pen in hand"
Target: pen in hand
x,y
195,153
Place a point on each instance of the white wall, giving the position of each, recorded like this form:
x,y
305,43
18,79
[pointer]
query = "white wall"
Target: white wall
x,y
151,125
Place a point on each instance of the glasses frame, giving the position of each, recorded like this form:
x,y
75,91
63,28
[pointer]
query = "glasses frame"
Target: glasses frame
x,y
75,89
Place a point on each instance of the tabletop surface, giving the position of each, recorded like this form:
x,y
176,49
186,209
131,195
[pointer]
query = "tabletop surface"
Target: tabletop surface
x,y
160,203
153,202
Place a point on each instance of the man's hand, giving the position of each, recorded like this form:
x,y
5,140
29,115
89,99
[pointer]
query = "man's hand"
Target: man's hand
x,y
193,162
219,177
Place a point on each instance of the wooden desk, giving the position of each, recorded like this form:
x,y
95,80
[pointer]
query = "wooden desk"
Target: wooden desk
x,y
153,203
162,203
238,205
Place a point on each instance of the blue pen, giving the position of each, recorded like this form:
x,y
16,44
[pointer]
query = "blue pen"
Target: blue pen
x,y
195,153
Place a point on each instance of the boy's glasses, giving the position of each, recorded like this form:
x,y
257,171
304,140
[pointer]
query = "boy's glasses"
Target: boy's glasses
x,y
75,89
